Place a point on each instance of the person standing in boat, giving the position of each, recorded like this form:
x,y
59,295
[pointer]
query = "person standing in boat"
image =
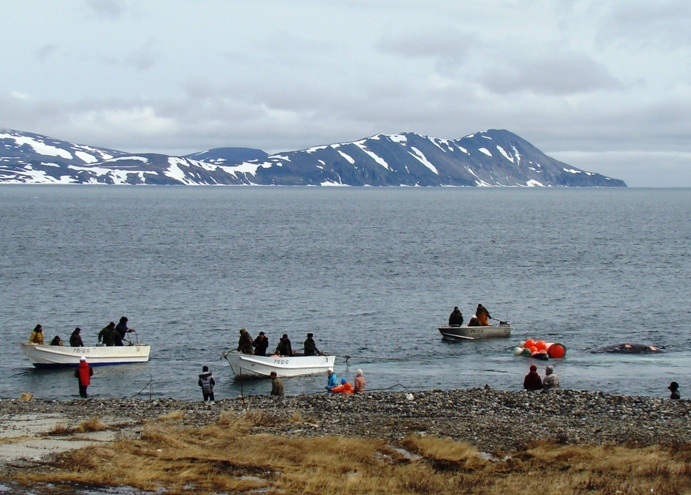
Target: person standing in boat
x,y
76,338
122,330
285,348
36,336
276,385
107,334
456,317
311,346
482,315
83,373
260,344
207,383
245,342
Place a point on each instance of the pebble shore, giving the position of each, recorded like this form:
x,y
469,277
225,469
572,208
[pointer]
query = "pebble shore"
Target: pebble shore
x,y
491,420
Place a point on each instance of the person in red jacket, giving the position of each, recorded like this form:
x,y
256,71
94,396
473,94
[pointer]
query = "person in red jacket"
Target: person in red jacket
x,y
84,373
532,380
344,388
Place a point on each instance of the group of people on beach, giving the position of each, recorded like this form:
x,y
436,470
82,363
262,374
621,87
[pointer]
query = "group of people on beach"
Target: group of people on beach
x,y
480,319
110,335
533,381
259,346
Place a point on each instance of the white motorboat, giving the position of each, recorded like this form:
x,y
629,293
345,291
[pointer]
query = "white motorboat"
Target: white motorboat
x,y
50,356
251,366
464,332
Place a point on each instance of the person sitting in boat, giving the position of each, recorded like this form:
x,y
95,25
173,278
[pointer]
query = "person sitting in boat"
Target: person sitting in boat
x,y
56,341
260,344
76,338
551,381
532,380
36,336
359,382
473,322
285,348
122,330
107,334
311,346
482,315
344,388
245,342
456,317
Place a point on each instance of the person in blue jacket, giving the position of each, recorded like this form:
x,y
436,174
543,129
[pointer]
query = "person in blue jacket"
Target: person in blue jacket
x,y
332,381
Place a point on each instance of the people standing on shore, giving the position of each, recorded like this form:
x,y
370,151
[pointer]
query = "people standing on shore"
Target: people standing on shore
x,y
674,388
551,381
207,383
311,346
107,334
76,338
260,344
36,336
456,317
276,385
344,388
332,380
83,373
359,382
245,342
532,380
284,348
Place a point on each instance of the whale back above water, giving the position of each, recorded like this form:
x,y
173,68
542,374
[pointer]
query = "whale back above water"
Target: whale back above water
x,y
629,348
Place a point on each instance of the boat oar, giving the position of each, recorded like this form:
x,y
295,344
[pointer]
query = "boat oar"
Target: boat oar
x,y
457,336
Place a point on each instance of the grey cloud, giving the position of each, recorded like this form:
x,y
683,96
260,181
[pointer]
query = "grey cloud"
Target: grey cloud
x,y
110,9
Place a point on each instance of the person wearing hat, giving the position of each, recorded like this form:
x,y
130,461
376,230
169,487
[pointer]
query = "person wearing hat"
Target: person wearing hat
x,y
674,388
245,342
532,380
332,380
83,373
107,334
456,317
311,346
285,348
56,341
36,336
344,388
122,330
260,344
359,382
276,384
551,381
76,338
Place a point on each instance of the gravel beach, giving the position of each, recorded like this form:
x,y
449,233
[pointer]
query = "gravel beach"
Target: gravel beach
x,y
491,420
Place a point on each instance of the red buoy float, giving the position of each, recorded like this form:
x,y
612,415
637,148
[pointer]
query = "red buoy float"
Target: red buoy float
x,y
556,351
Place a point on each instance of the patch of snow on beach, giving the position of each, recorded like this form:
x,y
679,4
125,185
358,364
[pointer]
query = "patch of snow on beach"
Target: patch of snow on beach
x,y
534,183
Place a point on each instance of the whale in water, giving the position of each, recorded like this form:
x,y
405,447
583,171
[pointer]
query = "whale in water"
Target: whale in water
x,y
630,348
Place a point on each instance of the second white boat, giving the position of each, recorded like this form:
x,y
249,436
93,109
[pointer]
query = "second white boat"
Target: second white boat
x,y
251,366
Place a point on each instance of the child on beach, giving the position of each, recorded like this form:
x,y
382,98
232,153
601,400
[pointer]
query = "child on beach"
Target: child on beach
x,y
207,383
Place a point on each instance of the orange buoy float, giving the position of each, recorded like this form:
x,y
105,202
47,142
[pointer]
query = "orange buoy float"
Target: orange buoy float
x,y
541,346
556,351
529,343
540,349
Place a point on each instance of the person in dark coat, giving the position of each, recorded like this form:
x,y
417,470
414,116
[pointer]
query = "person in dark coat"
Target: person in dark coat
x,y
245,342
122,331
456,317
285,348
532,380
260,344
674,388
56,341
107,334
276,385
76,338
482,315
311,346
207,383
83,373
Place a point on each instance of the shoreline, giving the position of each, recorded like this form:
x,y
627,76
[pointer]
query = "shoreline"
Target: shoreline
x,y
493,421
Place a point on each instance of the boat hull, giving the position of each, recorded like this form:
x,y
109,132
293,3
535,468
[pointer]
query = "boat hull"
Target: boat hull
x,y
464,332
251,366
53,356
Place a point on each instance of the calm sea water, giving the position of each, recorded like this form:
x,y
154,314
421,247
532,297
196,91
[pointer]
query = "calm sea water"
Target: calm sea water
x,y
371,272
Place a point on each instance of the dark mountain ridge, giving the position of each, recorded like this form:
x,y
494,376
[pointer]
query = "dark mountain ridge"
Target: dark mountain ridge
x,y
484,159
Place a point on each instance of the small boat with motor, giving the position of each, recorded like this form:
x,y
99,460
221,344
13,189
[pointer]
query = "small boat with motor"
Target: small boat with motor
x,y
52,356
251,366
465,332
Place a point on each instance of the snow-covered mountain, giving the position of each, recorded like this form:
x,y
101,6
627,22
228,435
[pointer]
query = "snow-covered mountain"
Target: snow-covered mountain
x,y
489,158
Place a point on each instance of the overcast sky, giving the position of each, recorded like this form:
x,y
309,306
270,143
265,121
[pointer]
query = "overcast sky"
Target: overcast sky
x,y
601,85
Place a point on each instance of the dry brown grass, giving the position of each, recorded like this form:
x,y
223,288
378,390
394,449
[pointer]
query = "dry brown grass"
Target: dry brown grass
x,y
231,457
61,429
